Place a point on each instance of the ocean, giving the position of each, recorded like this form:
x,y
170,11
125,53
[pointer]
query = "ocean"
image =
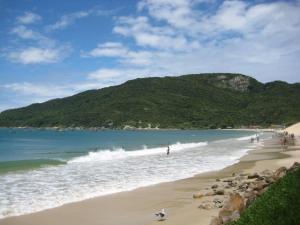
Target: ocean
x,y
42,169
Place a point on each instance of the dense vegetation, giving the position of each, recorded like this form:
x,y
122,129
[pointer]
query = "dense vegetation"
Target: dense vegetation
x,y
190,101
278,206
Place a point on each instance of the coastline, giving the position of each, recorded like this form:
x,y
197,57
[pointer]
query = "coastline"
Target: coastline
x,y
137,129
137,207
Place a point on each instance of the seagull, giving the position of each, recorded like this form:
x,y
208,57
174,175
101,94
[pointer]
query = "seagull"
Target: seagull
x,y
161,215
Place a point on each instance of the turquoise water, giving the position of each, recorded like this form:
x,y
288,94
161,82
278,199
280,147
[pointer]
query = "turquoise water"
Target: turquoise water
x,y
33,148
41,169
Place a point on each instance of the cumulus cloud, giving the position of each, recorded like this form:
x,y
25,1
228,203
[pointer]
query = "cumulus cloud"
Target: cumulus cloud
x,y
108,49
236,36
28,18
146,34
35,55
178,13
118,50
38,48
24,32
174,37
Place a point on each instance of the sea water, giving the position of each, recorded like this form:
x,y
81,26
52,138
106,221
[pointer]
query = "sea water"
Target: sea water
x,y
41,169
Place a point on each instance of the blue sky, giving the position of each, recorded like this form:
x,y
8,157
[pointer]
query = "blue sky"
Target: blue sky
x,y
51,49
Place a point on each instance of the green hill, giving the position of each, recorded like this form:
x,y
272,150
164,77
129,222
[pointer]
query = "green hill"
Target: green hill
x,y
190,101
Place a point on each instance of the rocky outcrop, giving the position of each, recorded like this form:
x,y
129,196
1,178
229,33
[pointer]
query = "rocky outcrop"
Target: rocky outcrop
x,y
238,82
243,189
198,195
280,173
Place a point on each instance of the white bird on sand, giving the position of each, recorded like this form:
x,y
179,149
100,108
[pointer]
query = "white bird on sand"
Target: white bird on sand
x,y
161,215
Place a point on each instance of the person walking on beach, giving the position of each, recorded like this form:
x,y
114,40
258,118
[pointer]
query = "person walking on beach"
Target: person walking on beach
x,y
168,150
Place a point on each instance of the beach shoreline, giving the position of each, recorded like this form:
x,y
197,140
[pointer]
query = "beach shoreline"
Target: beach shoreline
x,y
137,207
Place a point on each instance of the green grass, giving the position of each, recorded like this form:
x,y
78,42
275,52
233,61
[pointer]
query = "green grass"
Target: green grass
x,y
280,205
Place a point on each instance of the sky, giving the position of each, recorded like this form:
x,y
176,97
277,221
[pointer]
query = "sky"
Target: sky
x,y
52,49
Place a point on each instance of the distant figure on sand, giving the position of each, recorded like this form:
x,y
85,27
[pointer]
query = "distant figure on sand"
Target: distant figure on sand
x,y
257,137
168,150
161,215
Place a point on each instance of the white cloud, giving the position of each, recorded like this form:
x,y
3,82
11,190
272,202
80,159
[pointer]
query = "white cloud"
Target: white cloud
x,y
36,89
40,49
34,55
103,74
28,18
150,36
174,37
108,49
117,50
238,36
25,33
41,92
178,13
28,34
68,19
117,76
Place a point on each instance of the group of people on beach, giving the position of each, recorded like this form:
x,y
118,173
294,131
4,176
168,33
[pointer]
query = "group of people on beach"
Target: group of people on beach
x,y
286,139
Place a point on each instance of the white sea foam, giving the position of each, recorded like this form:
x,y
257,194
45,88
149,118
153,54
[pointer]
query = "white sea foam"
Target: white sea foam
x,y
247,138
110,171
120,153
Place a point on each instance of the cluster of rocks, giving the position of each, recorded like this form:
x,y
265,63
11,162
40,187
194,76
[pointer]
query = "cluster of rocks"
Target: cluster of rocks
x,y
238,192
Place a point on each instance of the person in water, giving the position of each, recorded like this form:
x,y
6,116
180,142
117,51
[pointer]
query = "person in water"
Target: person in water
x,y
168,150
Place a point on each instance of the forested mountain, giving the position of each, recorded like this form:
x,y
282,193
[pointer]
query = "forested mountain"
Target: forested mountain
x,y
189,101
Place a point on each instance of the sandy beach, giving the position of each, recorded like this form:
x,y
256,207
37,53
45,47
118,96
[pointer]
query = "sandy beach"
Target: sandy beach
x,y
139,206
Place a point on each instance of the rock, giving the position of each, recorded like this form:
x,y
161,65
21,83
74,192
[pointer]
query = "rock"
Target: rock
x,y
225,214
259,178
232,209
218,203
294,167
270,180
235,216
228,216
216,221
260,192
198,195
232,184
244,186
252,176
249,198
239,178
204,206
228,180
244,174
210,193
215,186
218,180
280,172
267,173
259,185
219,192
235,202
